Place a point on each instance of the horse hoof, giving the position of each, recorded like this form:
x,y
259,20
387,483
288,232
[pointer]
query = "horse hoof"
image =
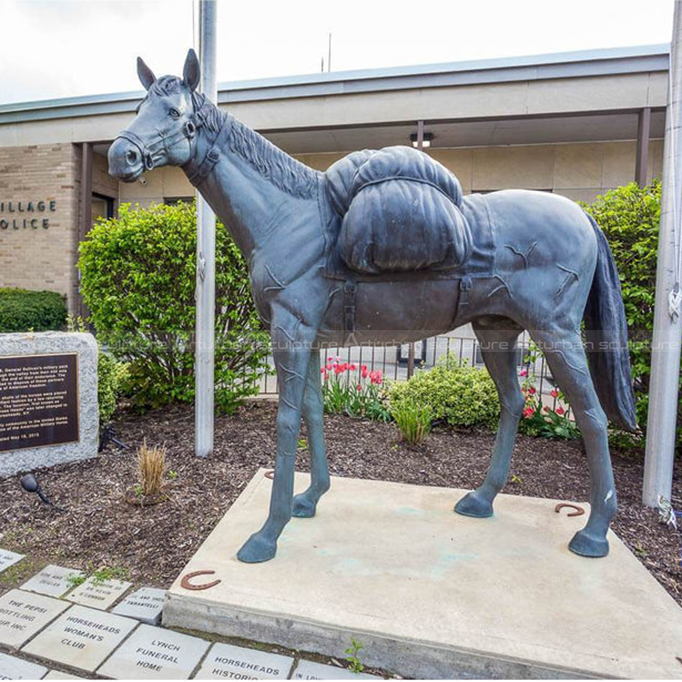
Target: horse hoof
x,y
304,507
257,549
472,504
584,544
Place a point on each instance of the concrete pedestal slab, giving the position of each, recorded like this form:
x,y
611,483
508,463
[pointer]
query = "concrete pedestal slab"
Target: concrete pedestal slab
x,y
432,594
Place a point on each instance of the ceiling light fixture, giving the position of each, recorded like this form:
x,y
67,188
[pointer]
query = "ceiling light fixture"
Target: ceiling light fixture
x,y
428,138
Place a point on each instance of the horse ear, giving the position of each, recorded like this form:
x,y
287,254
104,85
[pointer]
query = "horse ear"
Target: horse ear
x,y
190,74
145,74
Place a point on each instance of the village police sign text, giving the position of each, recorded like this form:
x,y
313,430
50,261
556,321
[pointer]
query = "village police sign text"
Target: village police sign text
x,y
20,215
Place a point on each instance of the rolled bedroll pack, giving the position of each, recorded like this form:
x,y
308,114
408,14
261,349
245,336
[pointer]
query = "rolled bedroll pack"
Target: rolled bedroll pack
x,y
401,212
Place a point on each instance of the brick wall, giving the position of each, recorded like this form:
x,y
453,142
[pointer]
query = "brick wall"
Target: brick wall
x,y
34,257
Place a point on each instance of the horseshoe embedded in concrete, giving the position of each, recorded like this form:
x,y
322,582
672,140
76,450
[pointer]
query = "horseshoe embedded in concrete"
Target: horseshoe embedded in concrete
x,y
187,585
579,511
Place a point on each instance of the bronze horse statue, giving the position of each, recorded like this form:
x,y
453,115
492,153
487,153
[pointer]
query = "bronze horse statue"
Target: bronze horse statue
x,y
384,248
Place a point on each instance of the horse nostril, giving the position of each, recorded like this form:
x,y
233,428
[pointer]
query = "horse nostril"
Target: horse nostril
x,y
131,156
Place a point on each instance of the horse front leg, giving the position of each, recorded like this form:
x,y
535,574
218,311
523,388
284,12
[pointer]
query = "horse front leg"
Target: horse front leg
x,y
305,504
291,351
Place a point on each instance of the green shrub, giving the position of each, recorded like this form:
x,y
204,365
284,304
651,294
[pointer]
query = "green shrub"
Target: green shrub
x,y
111,378
138,280
111,375
414,421
463,396
630,218
38,311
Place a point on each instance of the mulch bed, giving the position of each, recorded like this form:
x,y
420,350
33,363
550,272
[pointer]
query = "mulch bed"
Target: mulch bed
x,y
152,544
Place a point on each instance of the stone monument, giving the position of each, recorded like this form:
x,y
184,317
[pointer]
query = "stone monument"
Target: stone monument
x,y
49,412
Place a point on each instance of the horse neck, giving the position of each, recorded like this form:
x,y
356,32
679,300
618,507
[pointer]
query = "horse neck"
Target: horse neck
x,y
254,187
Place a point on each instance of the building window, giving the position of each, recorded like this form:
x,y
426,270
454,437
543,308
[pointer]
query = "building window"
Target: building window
x,y
101,207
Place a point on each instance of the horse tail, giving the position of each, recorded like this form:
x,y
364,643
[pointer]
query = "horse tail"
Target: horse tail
x,y
607,339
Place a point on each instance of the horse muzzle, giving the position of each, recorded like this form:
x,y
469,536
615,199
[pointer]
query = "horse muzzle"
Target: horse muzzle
x,y
127,161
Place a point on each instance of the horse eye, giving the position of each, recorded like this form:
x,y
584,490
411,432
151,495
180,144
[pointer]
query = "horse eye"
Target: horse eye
x,y
174,113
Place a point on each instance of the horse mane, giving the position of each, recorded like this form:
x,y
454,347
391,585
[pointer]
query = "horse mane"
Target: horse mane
x,y
271,162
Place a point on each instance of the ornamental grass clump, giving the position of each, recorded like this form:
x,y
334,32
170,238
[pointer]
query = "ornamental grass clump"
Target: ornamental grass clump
x,y
151,468
354,390
414,421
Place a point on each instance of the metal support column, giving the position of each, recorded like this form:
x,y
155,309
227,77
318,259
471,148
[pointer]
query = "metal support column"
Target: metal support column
x,y
204,402
84,220
643,134
665,356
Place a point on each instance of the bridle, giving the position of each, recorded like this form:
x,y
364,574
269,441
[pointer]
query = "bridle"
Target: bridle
x,y
152,152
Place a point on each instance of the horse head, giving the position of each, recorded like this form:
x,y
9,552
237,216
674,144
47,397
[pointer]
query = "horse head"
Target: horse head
x,y
166,122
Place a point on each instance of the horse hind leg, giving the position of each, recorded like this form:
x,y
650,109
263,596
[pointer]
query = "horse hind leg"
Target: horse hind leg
x,y
498,347
566,358
305,504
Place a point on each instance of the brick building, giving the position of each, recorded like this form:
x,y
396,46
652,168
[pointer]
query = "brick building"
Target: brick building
x,y
576,124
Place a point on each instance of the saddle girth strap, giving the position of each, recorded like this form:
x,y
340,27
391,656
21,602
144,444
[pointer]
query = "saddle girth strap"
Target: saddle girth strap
x,y
349,291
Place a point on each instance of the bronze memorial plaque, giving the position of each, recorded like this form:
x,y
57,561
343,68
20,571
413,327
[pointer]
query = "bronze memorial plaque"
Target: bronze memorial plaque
x,y
38,401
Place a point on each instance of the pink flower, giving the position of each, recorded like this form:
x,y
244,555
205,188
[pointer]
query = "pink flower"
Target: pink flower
x,y
545,409
323,370
554,393
532,390
329,367
359,387
352,368
364,371
528,412
559,410
523,373
330,359
376,377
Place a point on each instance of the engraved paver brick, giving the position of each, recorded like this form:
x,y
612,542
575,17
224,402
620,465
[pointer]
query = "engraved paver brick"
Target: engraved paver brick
x,y
81,638
225,661
155,653
144,604
23,614
307,670
8,559
13,668
52,581
99,594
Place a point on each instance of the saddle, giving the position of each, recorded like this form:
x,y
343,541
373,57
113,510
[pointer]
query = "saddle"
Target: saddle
x,y
400,211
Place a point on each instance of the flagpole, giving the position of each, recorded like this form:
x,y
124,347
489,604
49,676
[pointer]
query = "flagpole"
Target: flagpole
x,y
204,404
665,353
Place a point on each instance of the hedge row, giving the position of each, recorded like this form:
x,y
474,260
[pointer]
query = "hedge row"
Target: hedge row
x,y
38,311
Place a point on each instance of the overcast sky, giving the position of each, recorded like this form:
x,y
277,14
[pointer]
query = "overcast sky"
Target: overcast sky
x,y
61,48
